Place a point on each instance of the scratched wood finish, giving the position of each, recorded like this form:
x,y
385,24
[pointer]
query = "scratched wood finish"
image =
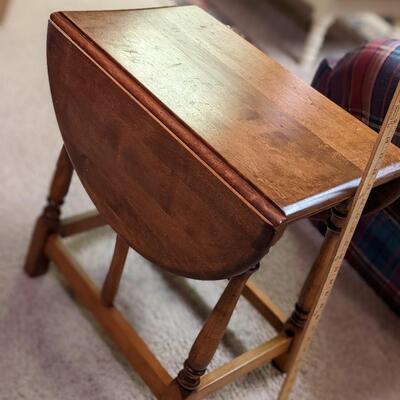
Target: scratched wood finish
x,y
298,149
148,186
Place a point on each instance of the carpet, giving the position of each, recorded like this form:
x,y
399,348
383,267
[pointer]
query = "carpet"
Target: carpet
x,y
51,349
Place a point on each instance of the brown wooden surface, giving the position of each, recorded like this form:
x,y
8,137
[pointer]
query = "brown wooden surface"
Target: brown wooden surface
x,y
296,148
115,325
150,188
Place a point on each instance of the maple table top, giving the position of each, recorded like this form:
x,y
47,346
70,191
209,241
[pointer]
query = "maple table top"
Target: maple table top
x,y
255,124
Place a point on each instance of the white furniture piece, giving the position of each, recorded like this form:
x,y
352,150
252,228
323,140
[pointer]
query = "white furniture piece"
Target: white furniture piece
x,y
325,12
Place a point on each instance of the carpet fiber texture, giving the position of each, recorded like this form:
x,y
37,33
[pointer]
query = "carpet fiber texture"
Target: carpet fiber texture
x,y
51,349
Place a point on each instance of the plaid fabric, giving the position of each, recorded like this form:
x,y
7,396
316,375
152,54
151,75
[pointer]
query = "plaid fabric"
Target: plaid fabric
x,y
363,82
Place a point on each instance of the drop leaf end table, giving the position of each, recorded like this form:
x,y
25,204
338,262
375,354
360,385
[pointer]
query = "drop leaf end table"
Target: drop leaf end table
x,y
198,150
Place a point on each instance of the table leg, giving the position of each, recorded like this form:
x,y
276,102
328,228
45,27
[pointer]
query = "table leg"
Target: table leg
x,y
36,262
111,283
310,294
208,339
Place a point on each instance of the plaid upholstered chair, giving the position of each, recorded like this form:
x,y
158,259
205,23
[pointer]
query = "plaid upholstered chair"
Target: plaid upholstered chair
x,y
363,83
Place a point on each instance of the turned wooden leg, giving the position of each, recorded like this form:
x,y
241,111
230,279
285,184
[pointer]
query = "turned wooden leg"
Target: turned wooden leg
x,y
309,294
111,283
36,261
299,325
208,339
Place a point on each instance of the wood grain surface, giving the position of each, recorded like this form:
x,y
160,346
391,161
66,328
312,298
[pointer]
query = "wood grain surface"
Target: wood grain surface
x,y
146,183
295,148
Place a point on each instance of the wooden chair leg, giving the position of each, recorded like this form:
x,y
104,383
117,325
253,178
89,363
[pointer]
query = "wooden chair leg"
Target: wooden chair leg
x,y
36,262
111,283
208,340
310,292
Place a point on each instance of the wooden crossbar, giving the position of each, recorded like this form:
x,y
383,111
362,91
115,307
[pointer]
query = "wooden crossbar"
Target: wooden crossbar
x,y
81,223
242,365
115,325
260,300
264,305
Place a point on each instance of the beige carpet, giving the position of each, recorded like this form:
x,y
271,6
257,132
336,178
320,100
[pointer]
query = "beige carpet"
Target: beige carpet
x,y
50,349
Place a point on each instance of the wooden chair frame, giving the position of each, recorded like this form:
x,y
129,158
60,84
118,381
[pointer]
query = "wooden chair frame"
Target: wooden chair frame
x,y
192,382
